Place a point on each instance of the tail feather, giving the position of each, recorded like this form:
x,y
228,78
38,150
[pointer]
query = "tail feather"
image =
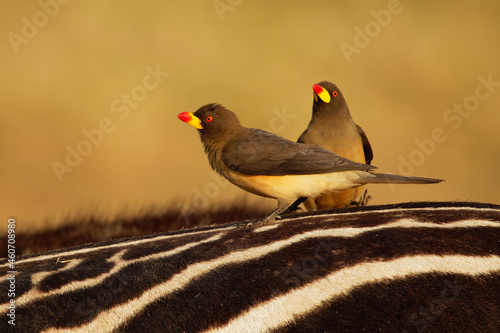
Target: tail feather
x,y
381,178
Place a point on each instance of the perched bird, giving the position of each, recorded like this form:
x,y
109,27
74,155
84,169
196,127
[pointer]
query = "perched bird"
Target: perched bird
x,y
332,128
272,166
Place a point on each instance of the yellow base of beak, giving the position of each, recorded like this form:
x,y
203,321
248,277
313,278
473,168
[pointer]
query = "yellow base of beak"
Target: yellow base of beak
x,y
321,93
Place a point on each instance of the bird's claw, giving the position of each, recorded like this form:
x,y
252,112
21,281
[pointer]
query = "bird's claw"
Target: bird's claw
x,y
363,200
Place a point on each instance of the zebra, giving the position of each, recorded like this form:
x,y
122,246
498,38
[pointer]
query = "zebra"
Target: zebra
x,y
91,229
410,267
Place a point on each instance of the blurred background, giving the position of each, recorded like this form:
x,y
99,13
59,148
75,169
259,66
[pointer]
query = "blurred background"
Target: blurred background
x,y
90,92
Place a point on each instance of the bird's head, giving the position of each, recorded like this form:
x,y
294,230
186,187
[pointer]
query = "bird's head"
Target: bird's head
x,y
214,122
327,93
328,100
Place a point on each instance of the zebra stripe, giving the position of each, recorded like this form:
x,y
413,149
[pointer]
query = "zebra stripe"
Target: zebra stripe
x,y
428,267
306,299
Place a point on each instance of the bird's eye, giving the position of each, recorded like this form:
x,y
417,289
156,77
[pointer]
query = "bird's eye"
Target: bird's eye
x,y
334,93
209,119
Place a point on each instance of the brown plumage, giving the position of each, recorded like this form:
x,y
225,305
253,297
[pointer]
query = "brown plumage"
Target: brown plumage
x,y
272,166
333,128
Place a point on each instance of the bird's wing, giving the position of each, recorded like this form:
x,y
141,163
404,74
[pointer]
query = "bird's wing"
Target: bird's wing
x,y
367,148
256,152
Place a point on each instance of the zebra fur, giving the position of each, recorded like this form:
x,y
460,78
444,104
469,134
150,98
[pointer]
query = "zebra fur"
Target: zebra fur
x,y
417,267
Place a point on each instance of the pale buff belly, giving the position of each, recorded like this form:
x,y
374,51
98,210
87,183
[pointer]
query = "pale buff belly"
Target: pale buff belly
x,y
291,187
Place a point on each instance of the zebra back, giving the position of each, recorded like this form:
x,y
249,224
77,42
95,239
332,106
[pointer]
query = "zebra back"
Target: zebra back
x,y
417,267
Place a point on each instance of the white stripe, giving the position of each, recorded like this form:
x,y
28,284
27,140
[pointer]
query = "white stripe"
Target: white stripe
x,y
35,293
292,305
130,243
124,312
391,210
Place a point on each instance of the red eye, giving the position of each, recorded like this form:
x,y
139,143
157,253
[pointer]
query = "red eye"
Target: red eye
x,y
334,93
209,119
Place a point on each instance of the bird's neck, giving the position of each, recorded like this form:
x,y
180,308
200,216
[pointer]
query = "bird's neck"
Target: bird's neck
x,y
213,152
323,113
213,146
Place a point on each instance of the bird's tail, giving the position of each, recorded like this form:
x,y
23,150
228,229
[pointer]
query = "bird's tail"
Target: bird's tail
x,y
382,178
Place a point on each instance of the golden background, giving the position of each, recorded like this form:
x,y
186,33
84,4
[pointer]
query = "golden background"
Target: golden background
x,y
65,64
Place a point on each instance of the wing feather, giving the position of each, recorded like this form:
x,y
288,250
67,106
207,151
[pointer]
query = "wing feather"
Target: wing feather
x,y
256,152
367,147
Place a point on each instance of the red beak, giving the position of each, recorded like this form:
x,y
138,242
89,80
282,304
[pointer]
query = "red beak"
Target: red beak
x,y
318,89
185,116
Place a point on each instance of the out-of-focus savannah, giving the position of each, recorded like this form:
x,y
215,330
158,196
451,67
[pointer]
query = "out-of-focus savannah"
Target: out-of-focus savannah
x,y
421,77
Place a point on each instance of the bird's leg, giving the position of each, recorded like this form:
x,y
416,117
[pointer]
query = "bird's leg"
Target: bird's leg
x,y
293,207
283,204
363,200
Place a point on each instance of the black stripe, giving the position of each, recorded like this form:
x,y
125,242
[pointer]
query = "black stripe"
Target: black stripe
x,y
219,296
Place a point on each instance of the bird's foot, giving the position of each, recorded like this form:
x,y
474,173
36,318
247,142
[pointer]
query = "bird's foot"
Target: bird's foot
x,y
282,205
269,219
363,200
257,223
